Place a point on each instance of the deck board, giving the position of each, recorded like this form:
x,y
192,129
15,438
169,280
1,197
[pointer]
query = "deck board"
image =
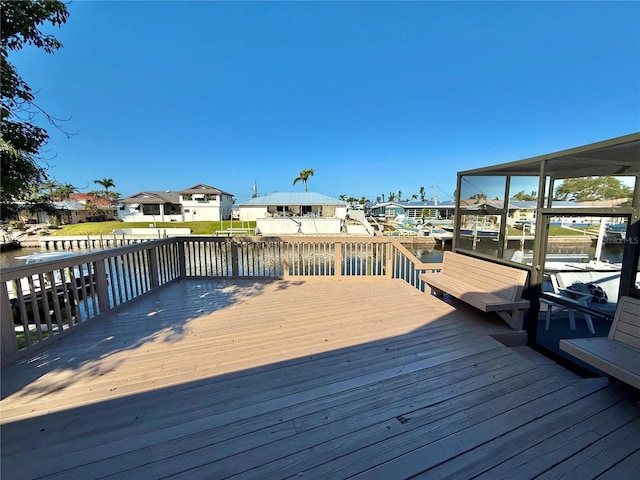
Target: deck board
x,y
305,378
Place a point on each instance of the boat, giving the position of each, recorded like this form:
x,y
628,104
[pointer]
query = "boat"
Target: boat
x,y
437,222
615,233
480,233
39,257
7,242
10,245
441,234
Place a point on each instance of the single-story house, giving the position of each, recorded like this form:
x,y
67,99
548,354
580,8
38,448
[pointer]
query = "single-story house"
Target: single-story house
x,y
151,206
283,213
430,209
78,208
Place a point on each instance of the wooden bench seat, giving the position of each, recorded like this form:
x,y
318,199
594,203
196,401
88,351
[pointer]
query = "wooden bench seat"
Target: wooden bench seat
x,y
487,286
617,355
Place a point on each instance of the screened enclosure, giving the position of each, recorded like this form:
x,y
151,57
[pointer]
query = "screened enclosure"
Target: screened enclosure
x,y
571,219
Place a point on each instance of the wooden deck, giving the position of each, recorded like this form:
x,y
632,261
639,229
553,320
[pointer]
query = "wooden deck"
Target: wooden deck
x,y
313,378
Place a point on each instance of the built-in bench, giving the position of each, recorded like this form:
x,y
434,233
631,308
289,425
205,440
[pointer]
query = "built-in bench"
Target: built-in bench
x,y
485,285
617,355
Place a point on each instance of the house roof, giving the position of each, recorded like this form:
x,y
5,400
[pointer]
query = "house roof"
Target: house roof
x,y
69,205
149,198
204,189
293,198
89,198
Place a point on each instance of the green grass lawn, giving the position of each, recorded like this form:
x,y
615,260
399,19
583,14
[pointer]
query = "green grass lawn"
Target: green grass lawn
x,y
557,231
106,228
207,228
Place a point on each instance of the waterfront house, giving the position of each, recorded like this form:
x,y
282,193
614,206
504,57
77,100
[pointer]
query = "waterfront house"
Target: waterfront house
x,y
203,202
413,210
284,213
151,206
77,208
197,203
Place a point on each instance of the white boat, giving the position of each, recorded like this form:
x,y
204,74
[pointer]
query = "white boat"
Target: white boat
x,y
56,275
44,257
615,233
441,234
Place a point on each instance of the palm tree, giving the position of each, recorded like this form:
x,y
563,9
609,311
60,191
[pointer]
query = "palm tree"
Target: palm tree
x,y
304,176
106,183
50,185
422,194
64,191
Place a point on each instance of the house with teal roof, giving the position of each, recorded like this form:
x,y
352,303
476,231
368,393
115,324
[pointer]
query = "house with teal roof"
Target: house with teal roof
x,y
283,213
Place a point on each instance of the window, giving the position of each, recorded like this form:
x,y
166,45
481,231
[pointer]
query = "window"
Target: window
x,y
172,209
153,209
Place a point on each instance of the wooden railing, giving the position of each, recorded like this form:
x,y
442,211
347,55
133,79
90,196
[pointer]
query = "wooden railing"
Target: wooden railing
x,y
44,301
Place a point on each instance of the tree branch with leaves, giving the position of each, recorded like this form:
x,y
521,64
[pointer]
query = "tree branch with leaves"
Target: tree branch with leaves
x,y
22,140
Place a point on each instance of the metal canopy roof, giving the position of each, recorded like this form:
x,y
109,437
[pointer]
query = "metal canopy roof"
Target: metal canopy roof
x,y
617,156
294,198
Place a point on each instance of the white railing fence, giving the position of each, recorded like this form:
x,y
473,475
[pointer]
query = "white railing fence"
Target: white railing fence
x,y
44,301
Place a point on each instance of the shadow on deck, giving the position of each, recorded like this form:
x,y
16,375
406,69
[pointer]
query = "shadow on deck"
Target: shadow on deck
x,y
314,378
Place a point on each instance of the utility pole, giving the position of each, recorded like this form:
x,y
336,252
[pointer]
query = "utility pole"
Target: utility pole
x,y
435,193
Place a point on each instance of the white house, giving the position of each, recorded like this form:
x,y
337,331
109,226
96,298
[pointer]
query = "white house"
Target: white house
x,y
202,202
285,213
151,207
198,203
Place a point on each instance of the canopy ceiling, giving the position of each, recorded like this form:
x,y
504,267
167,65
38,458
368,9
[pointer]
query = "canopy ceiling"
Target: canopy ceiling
x,y
618,156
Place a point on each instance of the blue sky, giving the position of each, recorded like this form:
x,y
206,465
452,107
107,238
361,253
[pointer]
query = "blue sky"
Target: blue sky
x,y
376,97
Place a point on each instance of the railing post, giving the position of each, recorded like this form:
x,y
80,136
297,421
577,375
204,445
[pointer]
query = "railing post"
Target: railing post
x,y
102,286
182,261
235,268
389,259
337,260
9,343
153,268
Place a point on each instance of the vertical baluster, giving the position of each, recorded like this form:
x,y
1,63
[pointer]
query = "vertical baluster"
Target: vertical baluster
x,y
126,272
45,303
138,272
73,283
65,296
35,311
121,287
93,287
55,298
82,295
22,310
208,258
